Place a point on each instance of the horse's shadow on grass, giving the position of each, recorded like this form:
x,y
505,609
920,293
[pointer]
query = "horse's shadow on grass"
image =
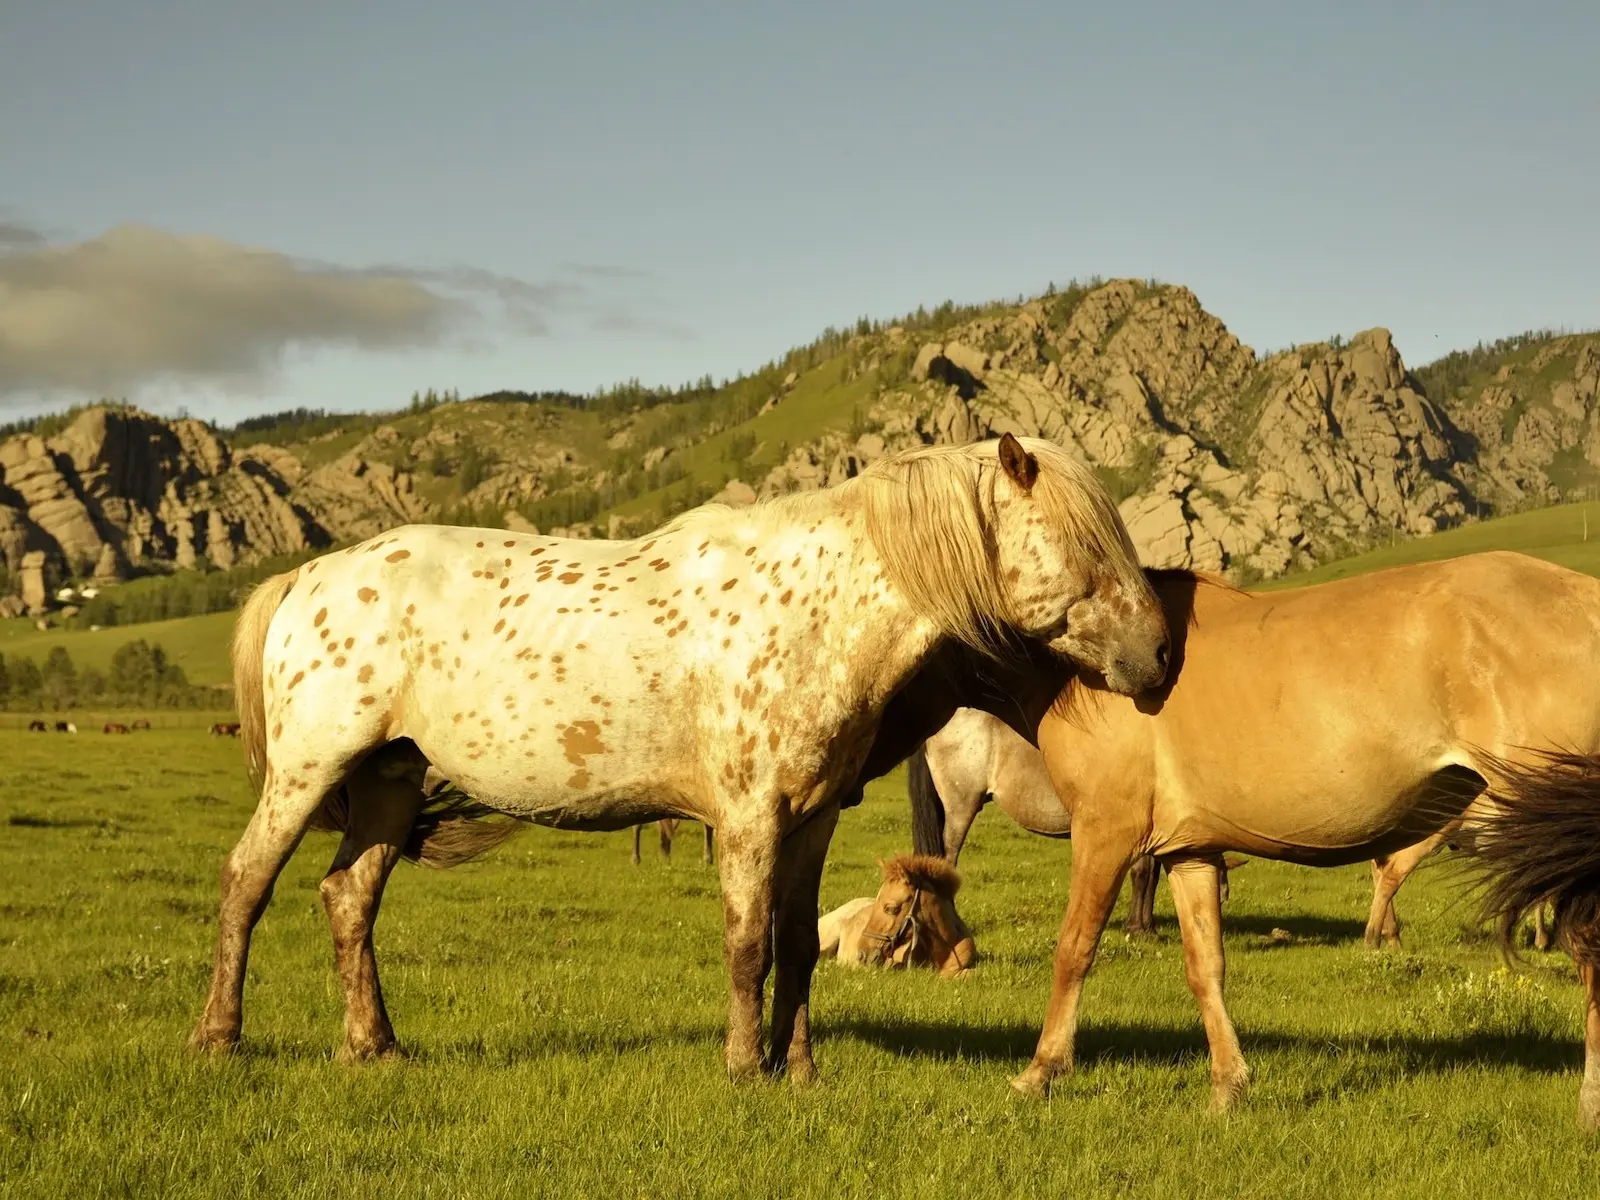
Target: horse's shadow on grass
x,y
1014,1042
1306,929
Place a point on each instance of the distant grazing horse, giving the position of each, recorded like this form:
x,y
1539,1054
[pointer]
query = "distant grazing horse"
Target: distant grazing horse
x,y
1324,726
747,669
38,727
113,727
977,759
911,922
666,830
141,723
225,729
66,727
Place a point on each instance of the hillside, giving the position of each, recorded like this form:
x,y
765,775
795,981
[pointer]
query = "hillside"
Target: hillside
x,y
1221,458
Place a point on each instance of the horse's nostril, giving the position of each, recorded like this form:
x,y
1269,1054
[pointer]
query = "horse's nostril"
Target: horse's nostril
x,y
1161,656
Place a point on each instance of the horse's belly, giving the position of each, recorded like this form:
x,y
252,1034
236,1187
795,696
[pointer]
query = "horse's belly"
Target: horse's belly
x,y
1349,818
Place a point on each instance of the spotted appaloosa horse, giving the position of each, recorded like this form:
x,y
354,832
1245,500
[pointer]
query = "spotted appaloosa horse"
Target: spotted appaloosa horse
x,y
747,669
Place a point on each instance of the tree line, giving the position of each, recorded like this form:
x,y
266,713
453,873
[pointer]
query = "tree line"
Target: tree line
x,y
141,675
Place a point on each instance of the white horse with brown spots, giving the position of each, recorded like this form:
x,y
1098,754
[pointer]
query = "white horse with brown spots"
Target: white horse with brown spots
x,y
745,669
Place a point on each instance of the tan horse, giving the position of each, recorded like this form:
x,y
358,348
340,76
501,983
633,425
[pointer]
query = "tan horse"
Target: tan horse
x,y
911,922
743,668
1321,726
976,760
666,831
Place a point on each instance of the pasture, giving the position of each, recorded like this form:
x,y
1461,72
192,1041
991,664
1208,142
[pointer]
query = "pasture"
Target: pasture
x,y
563,1013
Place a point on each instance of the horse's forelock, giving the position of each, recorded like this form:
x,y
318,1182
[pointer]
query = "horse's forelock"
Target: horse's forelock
x,y
925,871
930,515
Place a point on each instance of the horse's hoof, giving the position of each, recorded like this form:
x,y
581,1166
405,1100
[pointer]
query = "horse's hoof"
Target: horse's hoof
x,y
1589,1109
1034,1082
803,1074
378,1050
213,1041
1227,1092
746,1070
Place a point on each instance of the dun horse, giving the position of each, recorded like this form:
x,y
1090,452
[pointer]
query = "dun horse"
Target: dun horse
x,y
911,922
1325,726
746,669
666,831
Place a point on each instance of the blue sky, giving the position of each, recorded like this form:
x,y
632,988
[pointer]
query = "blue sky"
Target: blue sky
x,y
491,195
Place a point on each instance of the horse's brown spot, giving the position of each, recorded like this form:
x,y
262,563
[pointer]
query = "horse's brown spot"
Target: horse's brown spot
x,y
786,597
397,556
277,730
339,661
520,600
580,739
734,619
500,624
570,576
729,584
580,779
366,595
508,546
772,739
322,615
298,676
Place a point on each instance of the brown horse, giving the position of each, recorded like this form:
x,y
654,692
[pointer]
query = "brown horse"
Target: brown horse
x,y
1320,726
141,723
666,830
911,922
114,727
977,759
225,729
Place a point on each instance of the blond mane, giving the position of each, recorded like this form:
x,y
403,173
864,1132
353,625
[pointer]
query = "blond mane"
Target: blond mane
x,y
925,871
929,514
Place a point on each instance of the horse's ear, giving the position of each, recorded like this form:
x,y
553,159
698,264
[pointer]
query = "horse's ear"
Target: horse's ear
x,y
1022,467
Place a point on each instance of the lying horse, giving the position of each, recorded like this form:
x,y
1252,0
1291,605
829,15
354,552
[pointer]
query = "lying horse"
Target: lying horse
x,y
666,830
747,669
911,922
1323,726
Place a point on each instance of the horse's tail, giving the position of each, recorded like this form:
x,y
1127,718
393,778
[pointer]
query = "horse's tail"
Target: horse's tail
x,y
454,828
1538,842
249,644
927,807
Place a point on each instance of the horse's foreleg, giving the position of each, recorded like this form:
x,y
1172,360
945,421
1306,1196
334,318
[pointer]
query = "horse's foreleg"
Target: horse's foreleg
x,y
382,810
748,867
1196,895
1097,871
248,873
1589,1096
796,942
1141,919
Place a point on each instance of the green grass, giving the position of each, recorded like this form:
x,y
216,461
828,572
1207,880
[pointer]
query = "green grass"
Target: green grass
x,y
1568,534
563,1014
197,644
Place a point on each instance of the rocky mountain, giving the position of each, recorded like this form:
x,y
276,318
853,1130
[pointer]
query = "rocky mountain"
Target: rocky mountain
x,y
1221,459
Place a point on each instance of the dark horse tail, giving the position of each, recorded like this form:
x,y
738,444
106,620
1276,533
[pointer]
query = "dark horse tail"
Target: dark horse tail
x,y
1538,843
927,808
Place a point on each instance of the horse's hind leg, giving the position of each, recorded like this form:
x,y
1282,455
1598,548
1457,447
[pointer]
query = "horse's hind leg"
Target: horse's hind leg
x,y
288,802
1589,1094
385,796
666,830
638,833
1097,871
1541,928
1197,896
1141,919
800,860
1388,873
706,853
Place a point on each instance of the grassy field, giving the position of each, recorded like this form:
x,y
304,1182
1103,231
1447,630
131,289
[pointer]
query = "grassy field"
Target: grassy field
x,y
197,644
563,1010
